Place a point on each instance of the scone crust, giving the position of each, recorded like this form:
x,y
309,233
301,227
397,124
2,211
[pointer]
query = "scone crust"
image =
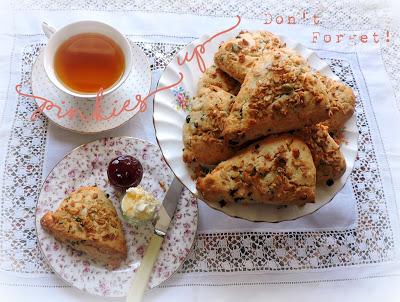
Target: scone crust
x,y
328,158
342,102
87,221
202,132
279,94
236,56
213,76
277,170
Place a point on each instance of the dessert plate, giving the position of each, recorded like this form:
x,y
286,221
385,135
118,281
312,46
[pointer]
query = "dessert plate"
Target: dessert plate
x,y
87,166
137,83
171,109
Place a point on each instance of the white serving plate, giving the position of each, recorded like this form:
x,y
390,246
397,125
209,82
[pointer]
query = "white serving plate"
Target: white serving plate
x,y
170,114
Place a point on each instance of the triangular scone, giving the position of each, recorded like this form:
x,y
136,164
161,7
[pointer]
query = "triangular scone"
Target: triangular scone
x,y
236,56
279,94
328,159
87,221
213,76
202,132
342,102
277,170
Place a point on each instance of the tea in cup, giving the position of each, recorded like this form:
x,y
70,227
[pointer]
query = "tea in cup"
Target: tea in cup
x,y
86,56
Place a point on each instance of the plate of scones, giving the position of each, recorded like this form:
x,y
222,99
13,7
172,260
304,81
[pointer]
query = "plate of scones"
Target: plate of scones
x,y
265,132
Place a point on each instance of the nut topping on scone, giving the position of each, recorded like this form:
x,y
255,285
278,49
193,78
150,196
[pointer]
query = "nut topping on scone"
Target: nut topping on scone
x,y
279,94
237,56
214,76
277,170
87,221
328,159
267,120
342,101
202,132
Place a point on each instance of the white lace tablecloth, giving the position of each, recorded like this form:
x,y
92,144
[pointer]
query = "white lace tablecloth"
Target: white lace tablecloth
x,y
349,250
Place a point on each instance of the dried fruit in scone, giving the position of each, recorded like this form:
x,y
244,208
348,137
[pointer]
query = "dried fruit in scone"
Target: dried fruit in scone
x,y
202,132
278,170
328,159
87,221
279,94
236,56
342,102
214,76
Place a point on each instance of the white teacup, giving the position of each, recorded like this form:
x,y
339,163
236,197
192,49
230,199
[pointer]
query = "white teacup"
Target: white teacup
x,y
57,37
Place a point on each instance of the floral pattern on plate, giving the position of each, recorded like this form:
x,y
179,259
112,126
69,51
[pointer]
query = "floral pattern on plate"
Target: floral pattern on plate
x,y
87,165
182,99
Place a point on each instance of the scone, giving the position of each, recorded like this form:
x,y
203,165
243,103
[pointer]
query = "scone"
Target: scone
x,y
279,94
328,159
87,221
278,170
202,132
214,76
237,56
342,101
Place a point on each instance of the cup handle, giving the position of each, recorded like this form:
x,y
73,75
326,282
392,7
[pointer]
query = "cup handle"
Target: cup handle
x,y
48,30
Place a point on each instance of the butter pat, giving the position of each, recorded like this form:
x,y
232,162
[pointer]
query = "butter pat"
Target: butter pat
x,y
139,206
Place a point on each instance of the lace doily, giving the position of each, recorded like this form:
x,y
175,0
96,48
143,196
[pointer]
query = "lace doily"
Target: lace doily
x,y
371,241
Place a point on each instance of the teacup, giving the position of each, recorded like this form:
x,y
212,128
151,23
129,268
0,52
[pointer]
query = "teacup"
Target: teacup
x,y
58,37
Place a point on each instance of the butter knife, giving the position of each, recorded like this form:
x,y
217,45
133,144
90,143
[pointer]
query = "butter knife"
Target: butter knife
x,y
166,212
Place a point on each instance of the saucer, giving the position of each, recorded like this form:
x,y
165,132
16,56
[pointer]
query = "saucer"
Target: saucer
x,y
138,83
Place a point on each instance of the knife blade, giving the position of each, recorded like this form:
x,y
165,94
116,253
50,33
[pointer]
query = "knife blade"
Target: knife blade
x,y
166,212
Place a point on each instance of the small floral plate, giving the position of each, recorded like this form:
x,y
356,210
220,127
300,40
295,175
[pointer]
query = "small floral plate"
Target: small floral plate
x,y
87,166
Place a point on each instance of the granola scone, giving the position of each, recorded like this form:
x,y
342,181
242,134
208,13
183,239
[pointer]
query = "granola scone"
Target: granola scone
x,y
237,56
87,221
277,170
342,102
214,76
279,94
328,159
202,132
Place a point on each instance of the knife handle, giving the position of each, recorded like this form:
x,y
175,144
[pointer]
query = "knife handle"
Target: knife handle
x,y
142,276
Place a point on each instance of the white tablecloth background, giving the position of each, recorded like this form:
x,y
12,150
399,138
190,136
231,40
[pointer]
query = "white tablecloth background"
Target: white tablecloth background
x,y
21,26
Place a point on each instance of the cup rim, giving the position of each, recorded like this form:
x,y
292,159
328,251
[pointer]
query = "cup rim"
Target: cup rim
x,y
49,66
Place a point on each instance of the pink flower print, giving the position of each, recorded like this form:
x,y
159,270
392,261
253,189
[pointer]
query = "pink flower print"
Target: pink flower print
x,y
103,288
86,266
182,99
94,164
56,247
140,250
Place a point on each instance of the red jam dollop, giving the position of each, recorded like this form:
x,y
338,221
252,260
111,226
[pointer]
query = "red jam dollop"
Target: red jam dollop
x,y
125,171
